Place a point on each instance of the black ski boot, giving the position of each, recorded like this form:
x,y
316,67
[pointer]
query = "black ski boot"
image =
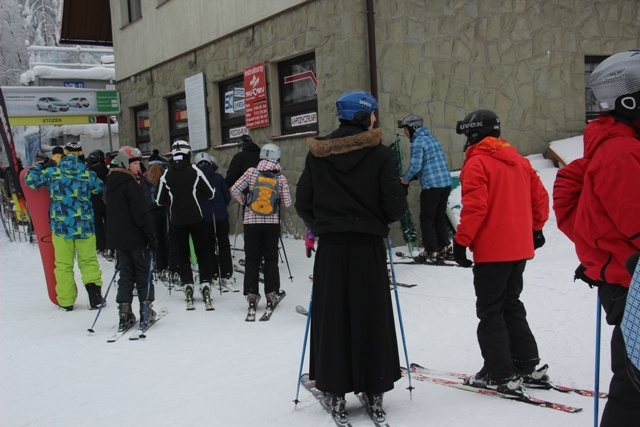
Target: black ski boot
x,y
145,321
127,318
95,295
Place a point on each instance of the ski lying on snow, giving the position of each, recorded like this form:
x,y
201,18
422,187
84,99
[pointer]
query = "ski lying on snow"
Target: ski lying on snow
x,y
240,270
404,285
416,261
300,309
524,398
141,333
310,385
548,386
115,337
272,306
378,423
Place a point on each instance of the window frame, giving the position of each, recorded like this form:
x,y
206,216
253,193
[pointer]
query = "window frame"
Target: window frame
x,y
298,108
176,132
143,141
232,122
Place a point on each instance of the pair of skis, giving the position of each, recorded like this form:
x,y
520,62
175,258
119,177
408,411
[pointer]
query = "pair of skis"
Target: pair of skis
x,y
456,380
417,260
271,306
341,419
206,296
139,332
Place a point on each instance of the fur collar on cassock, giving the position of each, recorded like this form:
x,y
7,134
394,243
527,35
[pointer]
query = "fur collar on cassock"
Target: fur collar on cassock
x,y
346,144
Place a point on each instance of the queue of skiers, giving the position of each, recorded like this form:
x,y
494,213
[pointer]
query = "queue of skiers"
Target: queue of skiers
x,y
348,194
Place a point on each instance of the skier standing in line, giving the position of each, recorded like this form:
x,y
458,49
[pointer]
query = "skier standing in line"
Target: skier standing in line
x,y
129,232
262,232
596,207
158,216
504,207
429,164
70,187
181,187
95,163
217,223
348,193
248,157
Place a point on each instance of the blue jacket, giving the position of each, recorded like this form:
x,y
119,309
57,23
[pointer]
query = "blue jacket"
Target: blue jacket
x,y
428,161
218,205
70,186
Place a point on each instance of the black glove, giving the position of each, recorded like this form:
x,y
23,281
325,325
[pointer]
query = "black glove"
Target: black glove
x,y
538,239
460,255
153,242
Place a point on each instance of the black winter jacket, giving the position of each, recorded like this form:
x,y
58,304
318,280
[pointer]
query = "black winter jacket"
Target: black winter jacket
x,y
350,184
128,226
179,188
248,157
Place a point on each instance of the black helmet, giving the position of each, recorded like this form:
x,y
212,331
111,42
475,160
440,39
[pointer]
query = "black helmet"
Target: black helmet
x,y
96,156
478,125
411,122
614,85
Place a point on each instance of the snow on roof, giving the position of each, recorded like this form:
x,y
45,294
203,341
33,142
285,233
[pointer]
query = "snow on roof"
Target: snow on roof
x,y
94,131
41,71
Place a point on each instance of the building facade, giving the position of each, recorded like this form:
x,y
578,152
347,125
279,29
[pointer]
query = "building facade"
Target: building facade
x,y
274,69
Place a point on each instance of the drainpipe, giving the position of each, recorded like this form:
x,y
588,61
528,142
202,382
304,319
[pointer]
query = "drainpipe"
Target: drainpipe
x,y
373,63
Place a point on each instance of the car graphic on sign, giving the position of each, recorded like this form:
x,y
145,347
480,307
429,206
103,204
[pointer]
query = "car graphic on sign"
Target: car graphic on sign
x,y
52,104
79,102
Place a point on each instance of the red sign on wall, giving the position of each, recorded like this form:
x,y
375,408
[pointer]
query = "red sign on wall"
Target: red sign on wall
x,y
256,110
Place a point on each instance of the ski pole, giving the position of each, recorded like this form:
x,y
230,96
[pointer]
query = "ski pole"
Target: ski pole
x,y
304,348
104,300
596,387
286,260
146,307
395,289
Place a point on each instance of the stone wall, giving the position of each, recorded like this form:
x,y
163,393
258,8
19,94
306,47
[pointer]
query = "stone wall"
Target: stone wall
x,y
523,59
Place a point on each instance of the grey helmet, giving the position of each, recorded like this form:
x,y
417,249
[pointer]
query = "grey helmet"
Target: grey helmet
x,y
126,155
614,85
411,122
202,157
477,125
270,152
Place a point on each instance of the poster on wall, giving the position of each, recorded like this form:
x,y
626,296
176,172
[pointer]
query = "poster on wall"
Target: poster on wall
x,y
194,89
255,97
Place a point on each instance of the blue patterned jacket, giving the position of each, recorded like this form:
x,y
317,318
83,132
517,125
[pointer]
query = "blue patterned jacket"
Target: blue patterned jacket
x,y
70,187
428,161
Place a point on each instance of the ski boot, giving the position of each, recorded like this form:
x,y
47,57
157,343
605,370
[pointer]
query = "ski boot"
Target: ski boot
x,y
95,295
253,300
188,294
206,295
150,317
127,318
337,404
228,284
373,401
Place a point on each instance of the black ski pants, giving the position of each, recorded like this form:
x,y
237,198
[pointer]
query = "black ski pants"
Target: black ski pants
x,y
503,332
134,272
623,405
197,232
433,218
261,242
158,221
220,256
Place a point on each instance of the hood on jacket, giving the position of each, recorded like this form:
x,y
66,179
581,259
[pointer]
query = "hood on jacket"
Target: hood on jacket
x,y
495,147
603,128
346,152
71,165
118,176
268,165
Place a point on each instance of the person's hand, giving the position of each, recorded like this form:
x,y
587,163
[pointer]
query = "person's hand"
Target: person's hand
x,y
404,182
460,255
538,239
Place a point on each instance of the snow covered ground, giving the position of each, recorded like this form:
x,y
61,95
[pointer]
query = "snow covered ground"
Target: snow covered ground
x,y
212,368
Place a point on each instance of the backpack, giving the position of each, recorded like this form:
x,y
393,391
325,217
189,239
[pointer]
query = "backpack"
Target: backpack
x,y
263,199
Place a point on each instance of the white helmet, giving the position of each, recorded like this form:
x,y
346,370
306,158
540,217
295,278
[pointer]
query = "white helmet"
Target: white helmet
x,y
270,152
180,147
614,85
202,157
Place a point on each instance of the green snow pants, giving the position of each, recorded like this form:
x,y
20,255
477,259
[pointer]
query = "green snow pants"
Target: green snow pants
x,y
65,251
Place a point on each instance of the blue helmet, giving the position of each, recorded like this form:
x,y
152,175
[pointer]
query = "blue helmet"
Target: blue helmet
x,y
356,101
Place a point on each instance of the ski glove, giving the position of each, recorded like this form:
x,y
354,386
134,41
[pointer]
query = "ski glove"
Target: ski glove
x,y
460,255
538,239
309,243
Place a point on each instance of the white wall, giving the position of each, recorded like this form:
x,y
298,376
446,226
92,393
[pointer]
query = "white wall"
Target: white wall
x,y
177,26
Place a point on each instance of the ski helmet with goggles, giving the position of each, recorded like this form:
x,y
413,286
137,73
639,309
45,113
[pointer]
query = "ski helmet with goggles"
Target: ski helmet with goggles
x,y
477,125
96,156
202,157
127,155
349,104
412,122
73,148
270,152
180,150
614,85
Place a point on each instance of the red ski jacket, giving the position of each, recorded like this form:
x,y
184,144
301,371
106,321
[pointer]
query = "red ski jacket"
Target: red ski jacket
x,y
596,201
503,201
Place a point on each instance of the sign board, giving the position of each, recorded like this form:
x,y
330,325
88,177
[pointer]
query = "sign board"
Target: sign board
x,y
255,97
77,85
194,88
39,101
52,121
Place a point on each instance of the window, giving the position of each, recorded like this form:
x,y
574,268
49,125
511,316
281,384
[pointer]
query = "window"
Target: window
x,y
298,96
178,119
130,11
143,142
232,120
590,62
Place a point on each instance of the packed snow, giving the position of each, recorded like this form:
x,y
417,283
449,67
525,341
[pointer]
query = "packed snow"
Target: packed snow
x,y
200,368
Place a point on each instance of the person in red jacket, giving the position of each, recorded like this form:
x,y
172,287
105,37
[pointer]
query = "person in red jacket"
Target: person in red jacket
x,y
504,207
596,206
